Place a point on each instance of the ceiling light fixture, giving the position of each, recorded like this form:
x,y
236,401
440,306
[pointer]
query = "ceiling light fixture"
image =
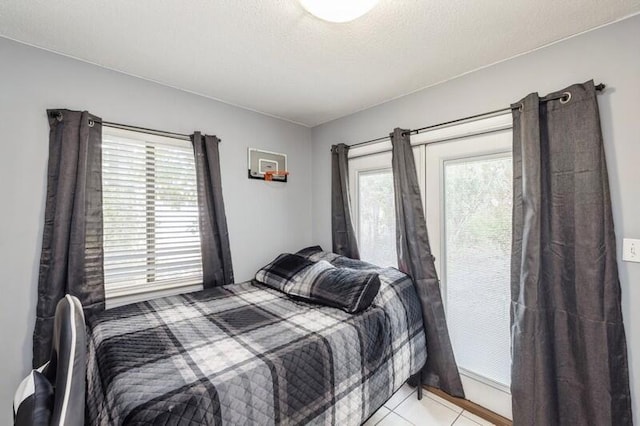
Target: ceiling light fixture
x,y
338,10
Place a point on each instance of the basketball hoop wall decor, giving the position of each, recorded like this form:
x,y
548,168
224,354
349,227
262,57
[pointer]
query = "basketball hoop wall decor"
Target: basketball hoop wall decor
x,y
267,165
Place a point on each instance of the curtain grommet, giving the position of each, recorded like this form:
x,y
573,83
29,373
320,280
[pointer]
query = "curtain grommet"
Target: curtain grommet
x,y
566,97
59,116
91,123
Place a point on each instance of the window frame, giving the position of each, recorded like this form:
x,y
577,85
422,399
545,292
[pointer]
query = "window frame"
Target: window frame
x,y
372,158
360,166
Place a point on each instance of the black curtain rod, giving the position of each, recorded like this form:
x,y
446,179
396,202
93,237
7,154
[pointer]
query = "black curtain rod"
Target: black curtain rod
x,y
145,130
59,116
600,87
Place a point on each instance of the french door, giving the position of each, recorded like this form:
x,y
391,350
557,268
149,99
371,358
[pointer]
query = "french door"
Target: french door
x,y
468,209
465,174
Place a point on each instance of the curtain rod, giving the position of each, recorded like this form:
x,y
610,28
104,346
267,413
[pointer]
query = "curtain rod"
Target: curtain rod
x,y
145,130
59,116
600,87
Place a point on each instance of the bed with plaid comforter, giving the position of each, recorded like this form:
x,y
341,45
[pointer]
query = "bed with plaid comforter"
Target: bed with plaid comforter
x,y
246,354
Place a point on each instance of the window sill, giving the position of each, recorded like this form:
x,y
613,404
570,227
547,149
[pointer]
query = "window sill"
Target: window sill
x,y
140,293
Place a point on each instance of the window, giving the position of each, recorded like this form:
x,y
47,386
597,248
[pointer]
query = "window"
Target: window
x,y
371,184
477,259
150,209
373,204
376,217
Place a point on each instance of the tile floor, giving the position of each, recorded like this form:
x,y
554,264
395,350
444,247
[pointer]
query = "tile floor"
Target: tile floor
x,y
404,409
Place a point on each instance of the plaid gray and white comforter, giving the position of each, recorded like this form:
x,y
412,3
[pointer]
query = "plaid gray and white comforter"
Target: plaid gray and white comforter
x,y
245,354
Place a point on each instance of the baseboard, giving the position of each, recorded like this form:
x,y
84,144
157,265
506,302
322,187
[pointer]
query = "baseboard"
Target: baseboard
x,y
472,407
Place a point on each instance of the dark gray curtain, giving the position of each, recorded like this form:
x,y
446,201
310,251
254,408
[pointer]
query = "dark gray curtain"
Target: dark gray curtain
x,y
342,233
415,259
214,236
72,253
568,342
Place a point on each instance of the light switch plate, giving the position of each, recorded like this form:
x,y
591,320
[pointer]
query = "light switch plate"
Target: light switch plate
x,y
630,250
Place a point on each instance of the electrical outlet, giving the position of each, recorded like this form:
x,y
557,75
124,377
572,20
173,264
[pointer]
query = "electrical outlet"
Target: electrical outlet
x,y
631,250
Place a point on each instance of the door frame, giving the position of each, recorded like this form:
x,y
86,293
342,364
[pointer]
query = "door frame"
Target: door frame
x,y
480,390
421,144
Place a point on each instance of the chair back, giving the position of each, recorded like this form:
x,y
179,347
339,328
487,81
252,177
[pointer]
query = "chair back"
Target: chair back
x,y
67,367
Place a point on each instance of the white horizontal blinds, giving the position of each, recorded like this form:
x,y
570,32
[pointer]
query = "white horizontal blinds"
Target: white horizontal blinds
x,y
151,228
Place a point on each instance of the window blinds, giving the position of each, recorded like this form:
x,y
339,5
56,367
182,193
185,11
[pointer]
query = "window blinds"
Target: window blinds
x,y
150,207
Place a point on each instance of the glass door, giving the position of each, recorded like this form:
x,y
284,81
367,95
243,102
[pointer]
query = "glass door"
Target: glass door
x,y
372,202
468,209
465,174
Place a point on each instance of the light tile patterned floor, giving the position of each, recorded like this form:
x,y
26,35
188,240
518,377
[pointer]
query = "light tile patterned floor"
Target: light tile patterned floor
x,y
404,409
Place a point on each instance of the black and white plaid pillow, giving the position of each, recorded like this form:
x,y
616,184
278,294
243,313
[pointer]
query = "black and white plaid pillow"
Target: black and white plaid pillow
x,y
279,273
347,289
315,253
320,282
303,284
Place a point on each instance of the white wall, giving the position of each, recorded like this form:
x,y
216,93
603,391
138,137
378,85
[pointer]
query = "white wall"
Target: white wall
x,y
610,55
264,219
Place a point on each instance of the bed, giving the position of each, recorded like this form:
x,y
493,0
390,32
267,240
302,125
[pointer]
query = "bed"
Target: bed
x,y
246,354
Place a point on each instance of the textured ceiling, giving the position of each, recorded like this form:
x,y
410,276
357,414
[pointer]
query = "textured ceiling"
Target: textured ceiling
x,y
272,56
